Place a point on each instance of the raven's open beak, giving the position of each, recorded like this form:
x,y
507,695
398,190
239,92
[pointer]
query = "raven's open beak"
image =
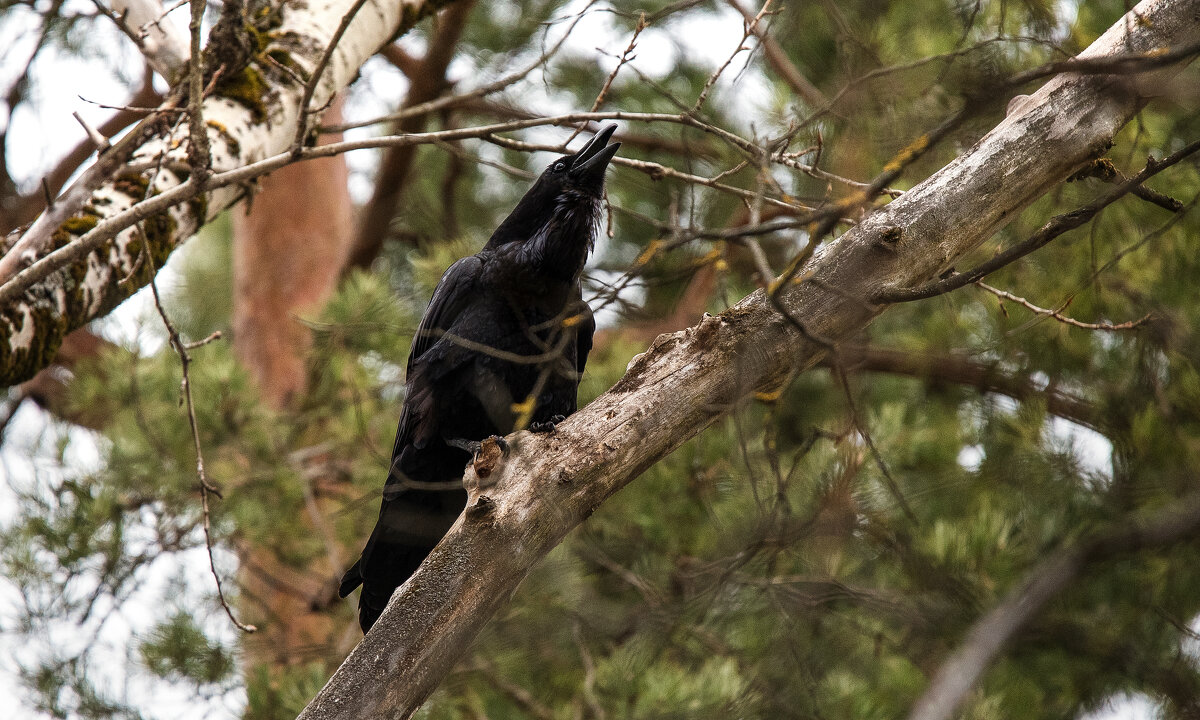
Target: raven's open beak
x,y
593,159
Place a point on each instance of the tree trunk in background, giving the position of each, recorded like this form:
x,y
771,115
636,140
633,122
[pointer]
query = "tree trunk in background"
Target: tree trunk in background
x,y
289,250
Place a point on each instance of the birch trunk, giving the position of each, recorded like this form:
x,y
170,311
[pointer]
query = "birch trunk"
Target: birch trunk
x,y
251,114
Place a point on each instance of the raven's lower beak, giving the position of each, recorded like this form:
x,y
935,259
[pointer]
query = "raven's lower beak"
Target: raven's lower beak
x,y
593,159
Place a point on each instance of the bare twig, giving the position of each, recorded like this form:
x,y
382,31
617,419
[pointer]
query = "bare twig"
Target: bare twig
x,y
778,60
892,486
1057,315
748,30
212,337
1107,172
626,56
318,71
391,181
93,134
181,349
482,91
206,487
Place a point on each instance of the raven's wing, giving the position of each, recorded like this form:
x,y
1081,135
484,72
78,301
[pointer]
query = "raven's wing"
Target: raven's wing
x,y
412,520
583,339
453,293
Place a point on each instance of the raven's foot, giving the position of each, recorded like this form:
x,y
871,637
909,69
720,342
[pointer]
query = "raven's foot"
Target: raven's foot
x,y
548,426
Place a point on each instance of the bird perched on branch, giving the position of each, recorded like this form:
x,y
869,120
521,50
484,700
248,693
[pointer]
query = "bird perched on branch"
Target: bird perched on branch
x,y
502,346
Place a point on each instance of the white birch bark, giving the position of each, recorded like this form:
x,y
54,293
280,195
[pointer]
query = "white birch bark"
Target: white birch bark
x,y
250,116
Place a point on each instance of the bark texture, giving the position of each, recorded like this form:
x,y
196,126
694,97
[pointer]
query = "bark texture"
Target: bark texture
x,y
519,511
251,114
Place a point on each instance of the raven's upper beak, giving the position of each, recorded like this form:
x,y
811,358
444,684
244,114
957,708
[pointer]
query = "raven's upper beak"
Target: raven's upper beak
x,y
592,160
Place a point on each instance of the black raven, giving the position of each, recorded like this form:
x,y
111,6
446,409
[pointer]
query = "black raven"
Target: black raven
x,y
503,341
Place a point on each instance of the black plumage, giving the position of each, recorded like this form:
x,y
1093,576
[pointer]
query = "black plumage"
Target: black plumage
x,y
505,326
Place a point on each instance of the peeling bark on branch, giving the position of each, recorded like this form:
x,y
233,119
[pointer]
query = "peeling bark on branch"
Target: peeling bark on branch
x,y
688,379
251,114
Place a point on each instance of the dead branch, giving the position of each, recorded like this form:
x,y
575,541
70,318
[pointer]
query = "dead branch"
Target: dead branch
x,y
1057,314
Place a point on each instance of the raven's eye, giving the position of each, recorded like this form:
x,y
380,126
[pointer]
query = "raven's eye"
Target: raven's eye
x,y
560,166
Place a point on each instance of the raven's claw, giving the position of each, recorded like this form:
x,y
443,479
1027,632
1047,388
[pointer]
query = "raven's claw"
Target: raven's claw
x,y
548,426
501,442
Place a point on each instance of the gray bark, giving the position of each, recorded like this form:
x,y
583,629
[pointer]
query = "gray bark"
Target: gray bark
x,y
686,380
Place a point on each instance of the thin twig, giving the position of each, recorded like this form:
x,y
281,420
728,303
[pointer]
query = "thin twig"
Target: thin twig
x,y
93,134
1005,295
482,91
747,31
778,59
215,335
626,56
1104,170
860,426
181,349
206,487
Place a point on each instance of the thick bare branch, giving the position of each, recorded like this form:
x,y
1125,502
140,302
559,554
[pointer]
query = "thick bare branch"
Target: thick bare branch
x,y
520,509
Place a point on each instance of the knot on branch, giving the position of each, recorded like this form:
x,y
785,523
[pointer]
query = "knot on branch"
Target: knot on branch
x,y
1100,168
480,508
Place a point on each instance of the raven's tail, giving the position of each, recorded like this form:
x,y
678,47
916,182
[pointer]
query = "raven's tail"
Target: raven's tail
x,y
401,562
413,517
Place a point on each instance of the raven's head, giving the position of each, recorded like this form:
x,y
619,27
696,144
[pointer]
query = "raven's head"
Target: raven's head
x,y
565,199
583,172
